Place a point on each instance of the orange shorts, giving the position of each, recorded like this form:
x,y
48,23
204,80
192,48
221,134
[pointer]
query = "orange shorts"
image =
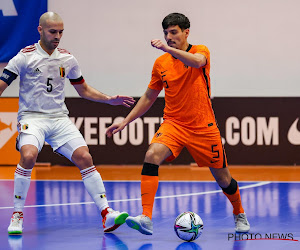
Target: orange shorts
x,y
205,145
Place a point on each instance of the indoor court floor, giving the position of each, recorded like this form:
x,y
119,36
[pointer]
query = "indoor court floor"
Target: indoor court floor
x,y
59,213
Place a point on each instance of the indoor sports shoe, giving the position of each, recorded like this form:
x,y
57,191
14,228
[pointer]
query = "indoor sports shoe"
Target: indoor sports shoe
x,y
142,223
241,223
113,219
16,223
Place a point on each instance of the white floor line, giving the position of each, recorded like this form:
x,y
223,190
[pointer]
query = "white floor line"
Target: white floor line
x,y
136,199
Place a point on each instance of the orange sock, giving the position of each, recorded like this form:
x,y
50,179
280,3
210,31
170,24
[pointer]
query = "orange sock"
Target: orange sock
x,y
236,201
149,185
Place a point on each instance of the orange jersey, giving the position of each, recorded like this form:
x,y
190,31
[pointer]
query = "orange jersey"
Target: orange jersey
x,y
187,89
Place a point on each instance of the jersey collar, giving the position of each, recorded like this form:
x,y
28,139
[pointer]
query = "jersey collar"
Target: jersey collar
x,y
189,47
187,50
44,53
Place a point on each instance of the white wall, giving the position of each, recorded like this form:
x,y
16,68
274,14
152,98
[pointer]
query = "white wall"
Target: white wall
x,y
254,44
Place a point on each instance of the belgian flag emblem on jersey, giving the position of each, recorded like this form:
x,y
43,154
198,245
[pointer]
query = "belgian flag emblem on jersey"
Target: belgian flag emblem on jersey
x,y
62,72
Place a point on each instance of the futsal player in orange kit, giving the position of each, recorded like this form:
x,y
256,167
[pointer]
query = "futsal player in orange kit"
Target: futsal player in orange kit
x,y
189,121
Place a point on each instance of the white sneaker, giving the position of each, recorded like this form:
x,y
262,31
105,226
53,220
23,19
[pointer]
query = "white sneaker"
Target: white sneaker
x,y
113,219
142,223
241,223
16,223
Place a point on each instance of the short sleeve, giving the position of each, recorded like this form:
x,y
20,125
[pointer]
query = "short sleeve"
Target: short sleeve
x,y
202,49
16,64
156,81
75,72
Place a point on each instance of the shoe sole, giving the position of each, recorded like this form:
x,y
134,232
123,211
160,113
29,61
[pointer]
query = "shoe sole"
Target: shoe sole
x,y
118,222
131,223
15,232
121,218
242,231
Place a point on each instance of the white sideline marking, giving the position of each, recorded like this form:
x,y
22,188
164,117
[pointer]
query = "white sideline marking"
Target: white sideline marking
x,y
158,197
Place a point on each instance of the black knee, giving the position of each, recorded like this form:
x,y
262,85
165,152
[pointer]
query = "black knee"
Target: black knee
x,y
231,189
150,169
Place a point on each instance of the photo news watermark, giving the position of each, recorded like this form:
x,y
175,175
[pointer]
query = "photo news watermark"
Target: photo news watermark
x,y
261,236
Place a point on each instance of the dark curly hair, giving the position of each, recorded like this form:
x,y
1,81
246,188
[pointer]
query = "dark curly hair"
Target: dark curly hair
x,y
174,19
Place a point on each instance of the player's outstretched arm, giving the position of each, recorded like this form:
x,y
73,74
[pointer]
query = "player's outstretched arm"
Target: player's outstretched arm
x,y
3,86
196,60
87,92
140,108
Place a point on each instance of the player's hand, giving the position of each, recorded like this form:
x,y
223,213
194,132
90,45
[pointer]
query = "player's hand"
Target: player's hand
x,y
114,128
156,43
126,101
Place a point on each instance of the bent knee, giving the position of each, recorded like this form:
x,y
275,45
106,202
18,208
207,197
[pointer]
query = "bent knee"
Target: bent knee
x,y
28,158
86,157
152,157
82,159
223,181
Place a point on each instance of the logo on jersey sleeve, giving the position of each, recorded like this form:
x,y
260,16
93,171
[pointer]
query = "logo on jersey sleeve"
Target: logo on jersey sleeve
x,y
62,72
5,76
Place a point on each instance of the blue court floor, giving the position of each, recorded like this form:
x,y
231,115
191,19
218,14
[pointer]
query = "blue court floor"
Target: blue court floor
x,y
61,215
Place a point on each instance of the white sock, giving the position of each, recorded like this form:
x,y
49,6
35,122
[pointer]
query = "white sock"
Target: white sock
x,y
94,185
21,186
